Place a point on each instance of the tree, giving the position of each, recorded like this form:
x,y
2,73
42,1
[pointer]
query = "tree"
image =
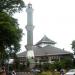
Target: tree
x,y
73,45
10,35
11,6
67,63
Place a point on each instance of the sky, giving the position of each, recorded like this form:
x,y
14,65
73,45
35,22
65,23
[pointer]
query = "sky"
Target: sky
x,y
53,18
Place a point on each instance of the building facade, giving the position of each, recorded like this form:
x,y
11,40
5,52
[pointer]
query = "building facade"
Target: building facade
x,y
44,50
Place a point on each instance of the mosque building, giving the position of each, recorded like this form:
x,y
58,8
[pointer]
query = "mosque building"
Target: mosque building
x,y
44,50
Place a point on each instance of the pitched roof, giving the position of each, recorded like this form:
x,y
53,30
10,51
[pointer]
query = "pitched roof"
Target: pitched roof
x,y
22,54
47,50
45,40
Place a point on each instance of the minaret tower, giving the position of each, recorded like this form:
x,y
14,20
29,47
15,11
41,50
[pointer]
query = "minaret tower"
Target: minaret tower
x,y
29,27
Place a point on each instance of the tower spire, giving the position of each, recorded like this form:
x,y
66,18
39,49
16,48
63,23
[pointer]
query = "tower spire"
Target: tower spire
x,y
29,27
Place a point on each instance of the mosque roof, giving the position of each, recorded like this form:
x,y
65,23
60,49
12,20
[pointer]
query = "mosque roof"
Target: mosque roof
x,y
46,40
22,54
48,49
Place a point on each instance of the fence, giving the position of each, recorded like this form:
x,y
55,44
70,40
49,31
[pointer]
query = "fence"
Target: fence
x,y
24,73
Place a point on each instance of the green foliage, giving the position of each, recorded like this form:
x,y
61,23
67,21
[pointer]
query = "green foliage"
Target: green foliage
x,y
46,66
10,35
74,62
46,73
11,5
73,45
28,63
56,65
49,73
65,63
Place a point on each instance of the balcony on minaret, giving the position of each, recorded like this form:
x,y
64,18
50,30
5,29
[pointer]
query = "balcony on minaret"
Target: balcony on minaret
x,y
29,27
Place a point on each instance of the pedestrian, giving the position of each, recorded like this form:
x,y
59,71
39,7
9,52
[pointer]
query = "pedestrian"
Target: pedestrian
x,y
3,70
13,72
62,71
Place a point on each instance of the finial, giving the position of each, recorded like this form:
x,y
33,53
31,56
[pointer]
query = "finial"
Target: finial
x,y
29,1
29,4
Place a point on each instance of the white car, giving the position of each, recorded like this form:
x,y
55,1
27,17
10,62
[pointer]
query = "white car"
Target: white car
x,y
35,70
71,72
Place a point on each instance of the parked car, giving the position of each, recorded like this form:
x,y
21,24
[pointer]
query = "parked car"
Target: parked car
x,y
35,70
71,72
